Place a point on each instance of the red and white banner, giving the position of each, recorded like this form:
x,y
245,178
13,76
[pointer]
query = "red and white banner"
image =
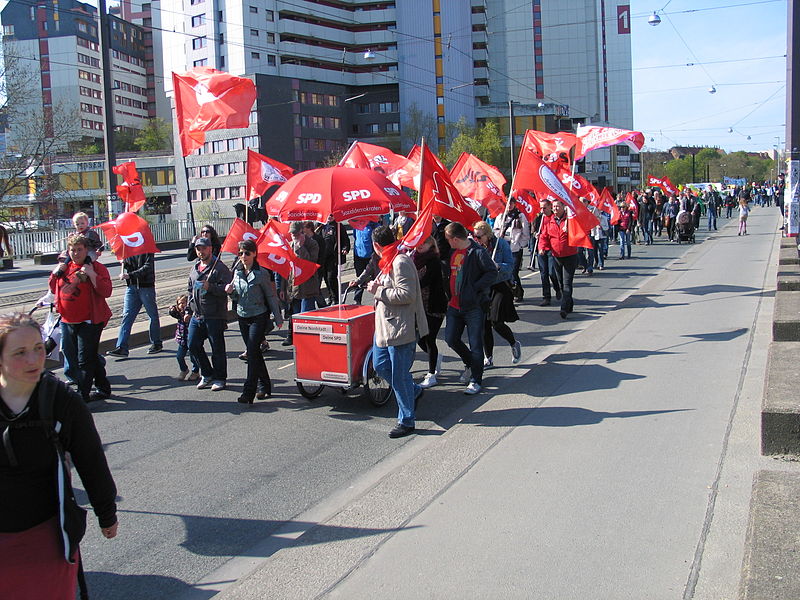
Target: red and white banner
x,y
129,235
435,186
396,168
480,182
592,137
131,191
418,233
275,253
207,99
239,232
577,184
264,172
550,146
607,205
663,183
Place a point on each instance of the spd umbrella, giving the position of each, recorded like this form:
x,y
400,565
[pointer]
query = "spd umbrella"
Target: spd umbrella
x,y
344,193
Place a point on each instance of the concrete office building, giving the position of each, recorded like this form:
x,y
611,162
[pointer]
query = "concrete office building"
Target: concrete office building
x,y
386,72
56,53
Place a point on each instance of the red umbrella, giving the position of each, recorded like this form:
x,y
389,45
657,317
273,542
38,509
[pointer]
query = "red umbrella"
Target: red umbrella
x,y
338,191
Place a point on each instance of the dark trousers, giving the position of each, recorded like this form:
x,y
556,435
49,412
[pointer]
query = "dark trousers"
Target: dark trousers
x,y
518,291
428,343
473,321
565,272
547,272
252,330
212,330
360,263
82,341
331,276
488,335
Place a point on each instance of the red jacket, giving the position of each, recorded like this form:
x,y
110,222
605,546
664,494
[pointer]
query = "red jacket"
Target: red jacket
x,y
100,312
553,237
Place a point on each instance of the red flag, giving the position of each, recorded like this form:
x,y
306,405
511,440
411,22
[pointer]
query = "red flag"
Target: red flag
x,y
482,183
550,146
535,176
355,158
418,233
129,235
664,184
591,137
264,172
275,253
528,205
577,184
435,186
396,168
239,232
607,204
630,200
130,191
207,99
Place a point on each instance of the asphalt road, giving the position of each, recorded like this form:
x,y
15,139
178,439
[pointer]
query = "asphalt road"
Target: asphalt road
x,y
203,479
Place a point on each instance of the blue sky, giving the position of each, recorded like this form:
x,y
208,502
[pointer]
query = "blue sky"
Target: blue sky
x,y
737,46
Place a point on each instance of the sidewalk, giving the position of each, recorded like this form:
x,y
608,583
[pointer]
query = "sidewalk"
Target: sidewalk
x,y
620,467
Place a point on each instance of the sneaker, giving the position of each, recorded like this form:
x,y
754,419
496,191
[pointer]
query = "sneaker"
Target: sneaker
x,y
243,356
182,375
488,362
516,352
465,376
264,347
545,302
117,352
205,383
287,342
401,431
473,388
98,396
428,381
193,376
155,349
217,386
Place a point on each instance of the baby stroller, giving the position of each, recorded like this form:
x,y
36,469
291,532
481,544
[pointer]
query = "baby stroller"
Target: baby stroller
x,y
684,227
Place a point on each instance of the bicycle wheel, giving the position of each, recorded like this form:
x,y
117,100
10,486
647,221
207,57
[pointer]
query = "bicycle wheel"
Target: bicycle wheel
x,y
376,389
310,392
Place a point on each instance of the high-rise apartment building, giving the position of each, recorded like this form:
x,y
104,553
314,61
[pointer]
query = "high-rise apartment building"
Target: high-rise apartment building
x,y
54,49
332,71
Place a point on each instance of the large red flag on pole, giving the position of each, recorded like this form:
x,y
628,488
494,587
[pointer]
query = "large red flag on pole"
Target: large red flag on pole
x,y
480,182
435,186
264,172
591,137
131,191
550,146
207,99
129,235
275,253
239,232
607,205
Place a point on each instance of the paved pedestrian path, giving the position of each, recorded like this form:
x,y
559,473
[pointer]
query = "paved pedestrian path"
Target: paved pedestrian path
x,y
619,467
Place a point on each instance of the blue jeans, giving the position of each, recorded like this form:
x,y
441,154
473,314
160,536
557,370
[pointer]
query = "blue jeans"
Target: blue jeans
x,y
473,320
599,259
80,342
212,330
565,271
180,356
135,298
624,243
394,365
712,219
547,272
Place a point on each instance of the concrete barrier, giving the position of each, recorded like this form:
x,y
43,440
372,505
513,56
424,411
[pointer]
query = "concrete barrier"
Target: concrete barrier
x,y
786,317
788,255
780,407
45,259
789,279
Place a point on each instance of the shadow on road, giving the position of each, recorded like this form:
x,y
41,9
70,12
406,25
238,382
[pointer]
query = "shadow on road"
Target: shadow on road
x,y
102,584
702,290
555,416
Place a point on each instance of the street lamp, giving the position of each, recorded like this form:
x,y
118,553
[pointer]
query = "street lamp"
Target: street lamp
x,y
654,19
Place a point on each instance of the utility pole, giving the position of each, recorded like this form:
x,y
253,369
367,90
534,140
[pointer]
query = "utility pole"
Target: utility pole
x,y
792,192
108,107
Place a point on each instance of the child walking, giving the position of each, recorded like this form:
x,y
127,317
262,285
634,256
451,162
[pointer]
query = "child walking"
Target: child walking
x,y
744,210
183,314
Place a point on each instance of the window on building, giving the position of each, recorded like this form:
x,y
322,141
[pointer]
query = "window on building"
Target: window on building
x,y
198,43
253,117
334,123
393,127
271,60
254,32
235,168
254,10
221,39
203,62
219,146
270,38
250,141
205,171
193,2
221,61
255,56
316,121
373,128
221,193
198,20
235,144
270,15
206,194
235,192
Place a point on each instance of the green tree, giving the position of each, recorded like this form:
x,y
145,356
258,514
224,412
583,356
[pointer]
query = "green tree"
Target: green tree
x,y
157,135
483,142
417,125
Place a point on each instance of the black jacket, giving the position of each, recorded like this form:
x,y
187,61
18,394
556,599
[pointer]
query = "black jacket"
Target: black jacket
x,y
479,273
142,270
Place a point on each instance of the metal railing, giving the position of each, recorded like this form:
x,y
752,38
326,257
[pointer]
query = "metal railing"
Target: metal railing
x,y
27,244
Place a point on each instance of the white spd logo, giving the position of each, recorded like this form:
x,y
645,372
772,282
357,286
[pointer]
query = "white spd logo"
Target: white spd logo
x,y
551,181
249,236
281,198
350,195
309,198
134,240
391,191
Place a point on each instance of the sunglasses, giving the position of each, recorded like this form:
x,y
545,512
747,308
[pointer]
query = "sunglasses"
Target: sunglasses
x,y
245,253
205,231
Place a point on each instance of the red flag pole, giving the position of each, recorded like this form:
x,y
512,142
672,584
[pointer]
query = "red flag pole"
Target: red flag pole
x,y
421,169
346,154
189,198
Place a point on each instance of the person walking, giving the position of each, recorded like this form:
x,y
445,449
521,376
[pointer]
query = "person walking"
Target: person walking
x,y
744,211
547,265
301,298
139,274
624,226
181,312
208,232
254,293
42,419
434,300
553,238
81,288
333,234
711,198
501,304
209,304
362,253
472,273
516,230
399,319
